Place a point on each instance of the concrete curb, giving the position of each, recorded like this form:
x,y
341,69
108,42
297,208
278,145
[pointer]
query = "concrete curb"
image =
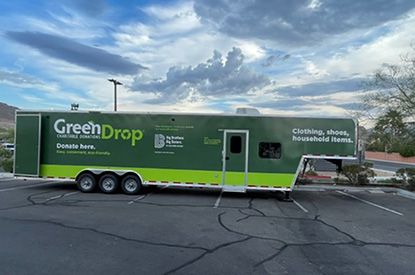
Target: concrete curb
x,y
322,187
6,175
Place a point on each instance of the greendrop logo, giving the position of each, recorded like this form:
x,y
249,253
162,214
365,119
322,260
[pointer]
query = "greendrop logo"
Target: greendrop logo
x,y
95,131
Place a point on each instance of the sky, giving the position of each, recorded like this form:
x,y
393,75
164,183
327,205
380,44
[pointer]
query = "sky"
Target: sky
x,y
303,57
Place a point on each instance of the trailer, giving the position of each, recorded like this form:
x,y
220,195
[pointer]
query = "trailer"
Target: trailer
x,y
131,150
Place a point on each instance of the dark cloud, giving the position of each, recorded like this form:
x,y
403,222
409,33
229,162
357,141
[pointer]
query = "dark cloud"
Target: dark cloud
x,y
323,88
297,22
18,78
213,78
76,53
272,59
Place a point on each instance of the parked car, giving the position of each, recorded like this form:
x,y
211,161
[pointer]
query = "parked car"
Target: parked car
x,y
8,146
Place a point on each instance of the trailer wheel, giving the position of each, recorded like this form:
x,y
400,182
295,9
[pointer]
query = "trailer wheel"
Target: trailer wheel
x,y
86,182
131,184
108,183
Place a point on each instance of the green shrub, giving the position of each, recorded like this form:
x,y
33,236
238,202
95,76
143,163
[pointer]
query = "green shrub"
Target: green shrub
x,y
6,160
7,165
357,174
407,175
407,150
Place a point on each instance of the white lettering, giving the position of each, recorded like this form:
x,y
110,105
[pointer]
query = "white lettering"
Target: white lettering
x,y
56,126
61,127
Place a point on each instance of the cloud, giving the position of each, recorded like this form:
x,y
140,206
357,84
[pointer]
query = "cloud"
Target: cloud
x,y
322,88
350,106
215,78
76,53
297,23
92,8
283,104
18,78
272,59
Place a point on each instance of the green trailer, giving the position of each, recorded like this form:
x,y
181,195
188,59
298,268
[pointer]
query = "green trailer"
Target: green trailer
x,y
130,150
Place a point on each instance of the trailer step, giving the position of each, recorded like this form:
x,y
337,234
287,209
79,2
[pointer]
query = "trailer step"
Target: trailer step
x,y
234,188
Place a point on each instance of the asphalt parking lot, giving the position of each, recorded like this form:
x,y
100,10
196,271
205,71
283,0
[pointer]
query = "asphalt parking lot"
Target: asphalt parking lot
x,y
52,228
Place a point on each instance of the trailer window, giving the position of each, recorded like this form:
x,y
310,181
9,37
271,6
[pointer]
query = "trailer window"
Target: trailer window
x,y
269,150
236,144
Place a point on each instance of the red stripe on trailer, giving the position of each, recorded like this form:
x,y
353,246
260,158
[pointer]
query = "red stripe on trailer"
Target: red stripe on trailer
x,y
330,155
188,182
265,186
201,183
72,178
344,155
277,186
50,177
164,181
177,182
214,183
250,185
152,181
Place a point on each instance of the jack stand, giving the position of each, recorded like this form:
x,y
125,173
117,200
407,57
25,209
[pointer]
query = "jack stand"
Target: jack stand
x,y
287,197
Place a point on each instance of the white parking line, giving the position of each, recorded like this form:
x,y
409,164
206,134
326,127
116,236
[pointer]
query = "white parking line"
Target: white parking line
x,y
218,200
300,206
146,195
25,187
137,199
371,203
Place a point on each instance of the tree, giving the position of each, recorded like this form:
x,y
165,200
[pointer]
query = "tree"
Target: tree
x,y
388,132
7,135
394,86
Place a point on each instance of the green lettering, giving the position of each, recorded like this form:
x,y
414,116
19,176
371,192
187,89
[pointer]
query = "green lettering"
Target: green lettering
x,y
104,134
126,134
117,132
136,135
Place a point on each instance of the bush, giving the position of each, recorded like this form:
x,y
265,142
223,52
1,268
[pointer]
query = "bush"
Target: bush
x,y
408,177
357,174
407,150
6,160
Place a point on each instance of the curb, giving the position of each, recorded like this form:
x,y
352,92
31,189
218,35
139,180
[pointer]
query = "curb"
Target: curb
x,y
322,188
4,175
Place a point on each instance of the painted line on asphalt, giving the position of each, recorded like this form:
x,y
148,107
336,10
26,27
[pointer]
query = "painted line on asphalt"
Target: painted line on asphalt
x,y
405,195
218,200
371,203
25,187
137,199
146,195
299,205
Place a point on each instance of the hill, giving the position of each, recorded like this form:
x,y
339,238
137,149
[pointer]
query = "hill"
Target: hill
x,y
6,115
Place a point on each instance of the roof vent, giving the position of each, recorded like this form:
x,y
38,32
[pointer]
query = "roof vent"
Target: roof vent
x,y
247,111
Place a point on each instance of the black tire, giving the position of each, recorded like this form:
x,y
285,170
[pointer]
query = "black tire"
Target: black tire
x,y
86,182
108,183
131,184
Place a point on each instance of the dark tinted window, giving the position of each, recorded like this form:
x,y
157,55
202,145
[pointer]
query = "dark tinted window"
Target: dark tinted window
x,y
269,150
236,144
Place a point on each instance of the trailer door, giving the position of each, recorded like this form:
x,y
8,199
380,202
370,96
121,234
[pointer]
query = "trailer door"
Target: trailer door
x,y
235,160
27,145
